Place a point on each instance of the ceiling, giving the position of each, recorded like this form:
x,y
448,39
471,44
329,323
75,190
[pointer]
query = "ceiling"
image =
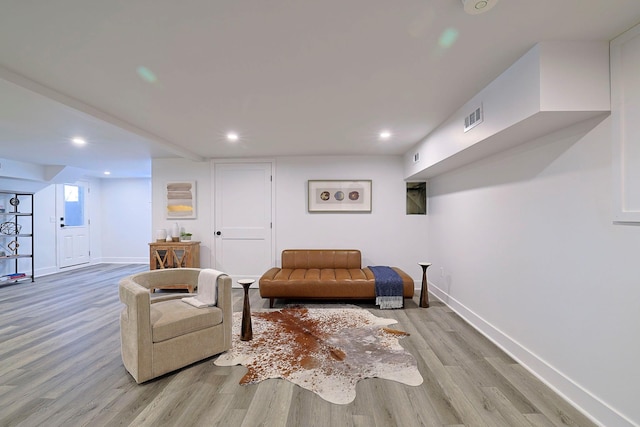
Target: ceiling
x,y
159,78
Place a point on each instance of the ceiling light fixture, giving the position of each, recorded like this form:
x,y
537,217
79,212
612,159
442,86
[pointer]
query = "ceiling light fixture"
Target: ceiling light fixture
x,y
475,7
385,134
107,173
232,136
78,141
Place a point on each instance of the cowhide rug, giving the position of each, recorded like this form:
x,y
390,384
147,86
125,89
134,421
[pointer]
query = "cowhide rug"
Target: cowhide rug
x,y
324,350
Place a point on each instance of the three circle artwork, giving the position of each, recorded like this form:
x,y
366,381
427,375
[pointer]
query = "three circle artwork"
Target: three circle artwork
x,y
339,195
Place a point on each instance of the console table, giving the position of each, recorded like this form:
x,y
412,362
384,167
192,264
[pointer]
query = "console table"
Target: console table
x,y
174,255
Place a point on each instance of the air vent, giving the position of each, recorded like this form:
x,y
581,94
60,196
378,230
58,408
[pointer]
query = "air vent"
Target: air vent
x,y
416,157
473,119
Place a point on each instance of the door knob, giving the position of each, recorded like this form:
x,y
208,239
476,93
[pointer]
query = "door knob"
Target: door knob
x,y
61,225
218,233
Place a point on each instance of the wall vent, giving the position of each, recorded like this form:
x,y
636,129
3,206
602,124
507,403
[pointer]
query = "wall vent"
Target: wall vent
x,y
416,157
473,119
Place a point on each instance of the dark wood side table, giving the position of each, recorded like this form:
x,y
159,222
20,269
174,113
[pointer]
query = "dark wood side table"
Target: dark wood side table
x,y
246,333
424,291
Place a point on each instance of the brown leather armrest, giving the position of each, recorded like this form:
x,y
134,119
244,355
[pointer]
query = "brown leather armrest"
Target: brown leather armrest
x,y
270,274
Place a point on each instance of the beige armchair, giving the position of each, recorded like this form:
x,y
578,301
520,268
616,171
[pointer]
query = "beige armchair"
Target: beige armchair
x,y
162,334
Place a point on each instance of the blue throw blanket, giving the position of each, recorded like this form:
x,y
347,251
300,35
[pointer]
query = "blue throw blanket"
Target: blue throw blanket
x,y
389,287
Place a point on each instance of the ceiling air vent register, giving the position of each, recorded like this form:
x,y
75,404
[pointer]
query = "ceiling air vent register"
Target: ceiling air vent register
x,y
473,119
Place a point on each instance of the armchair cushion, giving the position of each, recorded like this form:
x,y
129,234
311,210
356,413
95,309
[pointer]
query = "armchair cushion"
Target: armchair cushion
x,y
170,319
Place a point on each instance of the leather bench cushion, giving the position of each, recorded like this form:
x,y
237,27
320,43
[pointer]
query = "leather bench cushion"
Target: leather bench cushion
x,y
173,318
324,283
320,276
321,258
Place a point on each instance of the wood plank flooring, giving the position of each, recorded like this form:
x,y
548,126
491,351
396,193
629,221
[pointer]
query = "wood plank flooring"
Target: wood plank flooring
x,y
60,365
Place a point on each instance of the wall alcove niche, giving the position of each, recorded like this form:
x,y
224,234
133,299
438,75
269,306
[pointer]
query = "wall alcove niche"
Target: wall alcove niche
x,y
416,198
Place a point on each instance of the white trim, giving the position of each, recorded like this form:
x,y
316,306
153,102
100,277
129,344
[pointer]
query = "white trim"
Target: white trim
x,y
122,260
619,142
45,271
590,405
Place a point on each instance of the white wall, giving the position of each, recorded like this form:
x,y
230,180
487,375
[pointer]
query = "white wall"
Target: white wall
x,y
46,226
167,170
45,231
125,220
386,236
529,255
120,229
96,219
552,86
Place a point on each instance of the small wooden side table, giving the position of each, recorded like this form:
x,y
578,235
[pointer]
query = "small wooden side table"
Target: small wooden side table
x,y
246,333
424,291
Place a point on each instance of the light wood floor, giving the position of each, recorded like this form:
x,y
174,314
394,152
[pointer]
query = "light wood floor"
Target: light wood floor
x,y
60,366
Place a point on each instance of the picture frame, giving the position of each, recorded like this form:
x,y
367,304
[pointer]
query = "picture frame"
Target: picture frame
x,y
180,199
339,195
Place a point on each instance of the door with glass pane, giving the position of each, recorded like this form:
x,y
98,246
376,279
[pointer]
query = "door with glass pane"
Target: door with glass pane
x,y
73,224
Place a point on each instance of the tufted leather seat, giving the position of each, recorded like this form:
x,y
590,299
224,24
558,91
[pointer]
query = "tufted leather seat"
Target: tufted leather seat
x,y
323,274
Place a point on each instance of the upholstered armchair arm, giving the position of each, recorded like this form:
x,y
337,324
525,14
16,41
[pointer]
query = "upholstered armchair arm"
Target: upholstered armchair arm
x,y
135,326
224,303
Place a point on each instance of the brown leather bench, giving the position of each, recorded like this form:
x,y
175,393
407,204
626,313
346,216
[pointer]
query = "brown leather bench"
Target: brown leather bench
x,y
323,274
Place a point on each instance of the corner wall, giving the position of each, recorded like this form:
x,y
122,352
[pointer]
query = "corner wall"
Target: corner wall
x,y
125,220
523,246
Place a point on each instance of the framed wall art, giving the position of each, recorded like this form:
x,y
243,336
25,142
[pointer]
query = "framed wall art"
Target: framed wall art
x,y
181,200
339,196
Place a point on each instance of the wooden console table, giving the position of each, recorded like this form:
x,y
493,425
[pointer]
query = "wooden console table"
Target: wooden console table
x,y
174,255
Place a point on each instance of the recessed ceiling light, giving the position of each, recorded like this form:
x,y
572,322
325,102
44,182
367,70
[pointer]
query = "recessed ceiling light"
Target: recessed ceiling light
x,y
475,7
78,141
481,4
107,173
232,136
385,134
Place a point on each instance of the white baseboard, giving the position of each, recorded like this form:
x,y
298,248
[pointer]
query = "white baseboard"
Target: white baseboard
x,y
587,403
45,271
121,260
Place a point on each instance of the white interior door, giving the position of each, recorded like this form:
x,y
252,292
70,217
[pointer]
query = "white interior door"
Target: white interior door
x,y
243,228
73,224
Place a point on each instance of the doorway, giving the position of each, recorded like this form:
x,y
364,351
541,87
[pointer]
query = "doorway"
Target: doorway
x,y
73,224
243,232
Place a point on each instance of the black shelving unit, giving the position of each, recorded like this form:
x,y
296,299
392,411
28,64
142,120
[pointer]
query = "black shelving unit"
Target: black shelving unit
x,y
16,237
